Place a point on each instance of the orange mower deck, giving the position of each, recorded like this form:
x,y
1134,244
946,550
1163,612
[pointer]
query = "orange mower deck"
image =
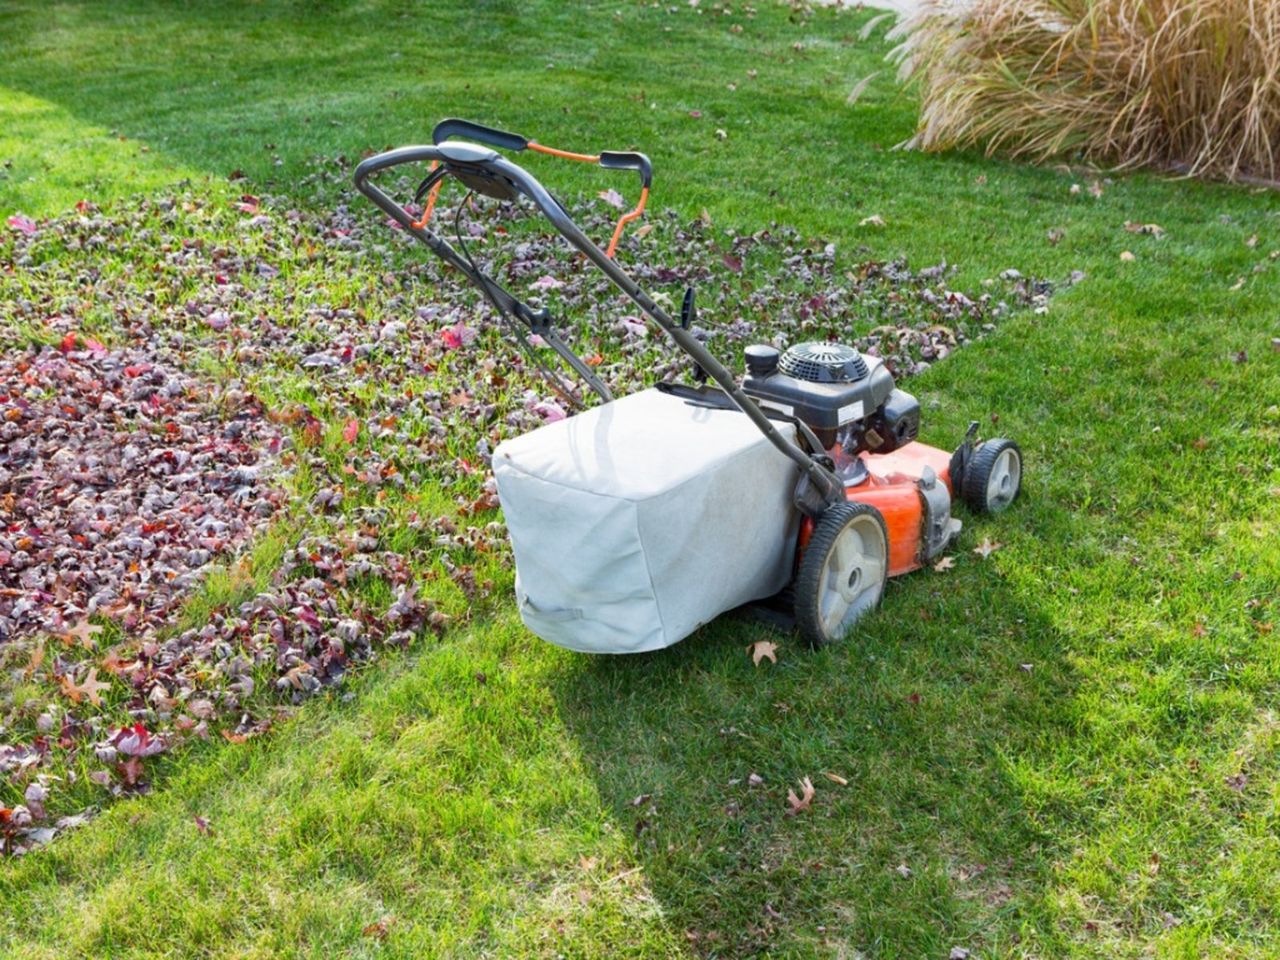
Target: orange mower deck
x,y
891,489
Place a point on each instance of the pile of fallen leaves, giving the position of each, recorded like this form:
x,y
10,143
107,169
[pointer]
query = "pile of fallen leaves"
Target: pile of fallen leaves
x,y
121,480
180,373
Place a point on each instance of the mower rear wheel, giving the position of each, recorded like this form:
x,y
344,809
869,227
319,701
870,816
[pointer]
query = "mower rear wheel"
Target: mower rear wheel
x,y
992,478
842,572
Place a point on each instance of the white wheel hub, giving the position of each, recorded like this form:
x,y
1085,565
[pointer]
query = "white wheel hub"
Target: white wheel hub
x,y
1004,479
853,575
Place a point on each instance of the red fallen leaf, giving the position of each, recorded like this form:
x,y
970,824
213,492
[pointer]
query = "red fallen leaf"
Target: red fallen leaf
x,y
68,343
137,369
137,741
23,224
732,262
594,360
203,825
458,335
248,203
351,430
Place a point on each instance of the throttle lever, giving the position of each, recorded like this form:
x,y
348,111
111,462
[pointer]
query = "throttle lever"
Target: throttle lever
x,y
688,314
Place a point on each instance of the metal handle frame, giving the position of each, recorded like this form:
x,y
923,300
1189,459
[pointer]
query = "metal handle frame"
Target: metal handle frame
x,y
470,160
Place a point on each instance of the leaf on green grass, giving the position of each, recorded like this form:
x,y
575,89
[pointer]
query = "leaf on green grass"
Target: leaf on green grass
x,y
91,688
798,804
987,547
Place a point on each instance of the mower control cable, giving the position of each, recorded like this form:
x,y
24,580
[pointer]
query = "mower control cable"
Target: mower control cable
x,y
538,321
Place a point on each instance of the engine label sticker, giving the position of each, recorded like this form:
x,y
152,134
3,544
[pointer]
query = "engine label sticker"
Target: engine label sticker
x,y
851,412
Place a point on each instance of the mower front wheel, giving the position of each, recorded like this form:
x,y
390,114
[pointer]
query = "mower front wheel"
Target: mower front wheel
x,y
842,572
992,478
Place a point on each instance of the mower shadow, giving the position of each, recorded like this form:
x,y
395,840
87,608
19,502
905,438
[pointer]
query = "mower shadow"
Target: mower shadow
x,y
933,713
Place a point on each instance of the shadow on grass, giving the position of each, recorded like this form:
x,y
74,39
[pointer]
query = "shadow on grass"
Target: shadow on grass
x,y
933,841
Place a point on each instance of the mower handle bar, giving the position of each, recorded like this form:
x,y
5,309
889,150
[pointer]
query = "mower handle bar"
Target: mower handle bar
x,y
608,159
468,158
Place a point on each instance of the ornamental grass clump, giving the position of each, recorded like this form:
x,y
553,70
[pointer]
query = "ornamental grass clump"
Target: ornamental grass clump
x,y
1191,86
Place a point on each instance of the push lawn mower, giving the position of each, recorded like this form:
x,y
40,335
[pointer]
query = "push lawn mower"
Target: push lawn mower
x,y
642,518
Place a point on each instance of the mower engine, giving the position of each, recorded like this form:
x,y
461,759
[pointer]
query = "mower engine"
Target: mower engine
x,y
842,396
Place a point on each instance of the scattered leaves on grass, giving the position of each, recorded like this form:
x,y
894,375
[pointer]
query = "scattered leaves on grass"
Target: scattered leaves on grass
x,y
798,804
763,649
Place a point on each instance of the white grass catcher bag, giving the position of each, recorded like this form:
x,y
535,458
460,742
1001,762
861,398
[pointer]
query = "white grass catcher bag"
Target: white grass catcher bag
x,y
638,521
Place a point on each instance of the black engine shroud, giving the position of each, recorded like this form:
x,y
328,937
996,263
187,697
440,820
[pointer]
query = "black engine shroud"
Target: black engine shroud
x,y
840,394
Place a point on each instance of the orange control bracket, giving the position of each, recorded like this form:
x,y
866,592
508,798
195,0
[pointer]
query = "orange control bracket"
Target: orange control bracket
x,y
431,200
595,158
625,219
564,155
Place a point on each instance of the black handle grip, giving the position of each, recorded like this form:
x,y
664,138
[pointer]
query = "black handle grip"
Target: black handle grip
x,y
446,129
614,160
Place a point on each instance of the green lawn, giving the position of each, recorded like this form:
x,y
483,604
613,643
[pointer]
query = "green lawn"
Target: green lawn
x,y
1037,745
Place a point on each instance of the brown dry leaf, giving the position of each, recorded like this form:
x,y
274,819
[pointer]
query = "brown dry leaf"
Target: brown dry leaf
x,y
801,803
875,220
945,564
116,664
37,658
91,688
642,232
705,217
379,928
987,547
835,778
762,649
84,631
1127,256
